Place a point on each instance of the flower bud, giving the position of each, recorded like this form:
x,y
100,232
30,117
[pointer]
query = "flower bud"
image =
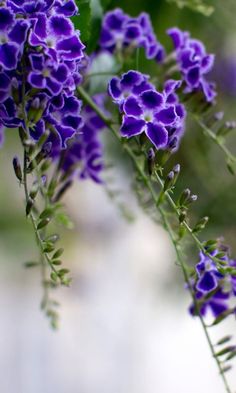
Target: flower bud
x,y
17,168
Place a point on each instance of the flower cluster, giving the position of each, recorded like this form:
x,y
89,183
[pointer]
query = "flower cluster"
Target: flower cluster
x,y
84,156
159,115
193,63
213,289
121,32
40,59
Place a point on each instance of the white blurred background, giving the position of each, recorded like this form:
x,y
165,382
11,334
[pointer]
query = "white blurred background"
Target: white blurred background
x,y
124,323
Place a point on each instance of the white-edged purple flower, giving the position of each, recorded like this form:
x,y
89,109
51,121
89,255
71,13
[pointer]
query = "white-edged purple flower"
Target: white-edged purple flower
x,y
212,289
193,62
13,34
40,54
84,156
121,31
145,110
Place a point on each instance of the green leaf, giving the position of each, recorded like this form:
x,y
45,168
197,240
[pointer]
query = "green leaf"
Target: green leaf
x,y
64,220
31,264
43,223
96,21
222,316
82,21
231,355
224,340
53,276
105,4
225,351
47,213
58,253
195,5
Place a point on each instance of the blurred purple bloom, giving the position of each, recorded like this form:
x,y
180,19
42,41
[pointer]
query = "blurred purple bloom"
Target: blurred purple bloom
x,y
193,62
85,153
212,289
120,31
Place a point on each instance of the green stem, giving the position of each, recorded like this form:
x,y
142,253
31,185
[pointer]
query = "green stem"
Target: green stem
x,y
215,139
146,181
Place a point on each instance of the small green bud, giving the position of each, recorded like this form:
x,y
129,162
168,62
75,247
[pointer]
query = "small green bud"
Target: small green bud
x,y
29,205
54,276
182,216
43,223
184,197
201,224
58,253
34,190
17,168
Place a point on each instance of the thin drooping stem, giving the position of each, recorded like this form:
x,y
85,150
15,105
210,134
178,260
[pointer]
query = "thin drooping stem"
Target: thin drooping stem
x,y
211,135
147,182
126,147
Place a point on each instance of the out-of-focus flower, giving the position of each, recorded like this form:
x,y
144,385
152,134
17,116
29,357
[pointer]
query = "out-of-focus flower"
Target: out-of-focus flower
x,y
120,32
193,62
212,289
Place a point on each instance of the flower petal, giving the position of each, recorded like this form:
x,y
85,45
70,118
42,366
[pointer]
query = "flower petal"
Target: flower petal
x,y
157,134
132,126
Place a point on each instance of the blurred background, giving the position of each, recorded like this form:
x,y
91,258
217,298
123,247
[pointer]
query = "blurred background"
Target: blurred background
x,y
124,323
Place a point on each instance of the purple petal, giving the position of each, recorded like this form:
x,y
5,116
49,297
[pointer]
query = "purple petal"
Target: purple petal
x,y
115,19
171,85
53,86
37,80
207,63
19,32
218,307
207,282
71,48
114,88
193,76
157,134
6,19
167,116
37,61
209,90
61,74
133,32
131,107
177,36
68,9
106,38
65,133
59,26
151,99
130,79
132,126
8,55
40,27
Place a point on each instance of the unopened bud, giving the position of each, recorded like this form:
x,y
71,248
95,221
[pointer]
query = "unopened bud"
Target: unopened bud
x,y
17,168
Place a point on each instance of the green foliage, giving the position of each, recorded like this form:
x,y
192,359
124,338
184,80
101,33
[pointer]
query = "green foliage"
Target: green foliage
x,y
82,21
195,5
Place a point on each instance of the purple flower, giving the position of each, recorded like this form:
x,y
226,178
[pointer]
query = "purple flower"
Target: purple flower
x,y
213,289
51,65
217,304
145,110
208,274
84,157
46,74
193,62
48,7
121,32
13,37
